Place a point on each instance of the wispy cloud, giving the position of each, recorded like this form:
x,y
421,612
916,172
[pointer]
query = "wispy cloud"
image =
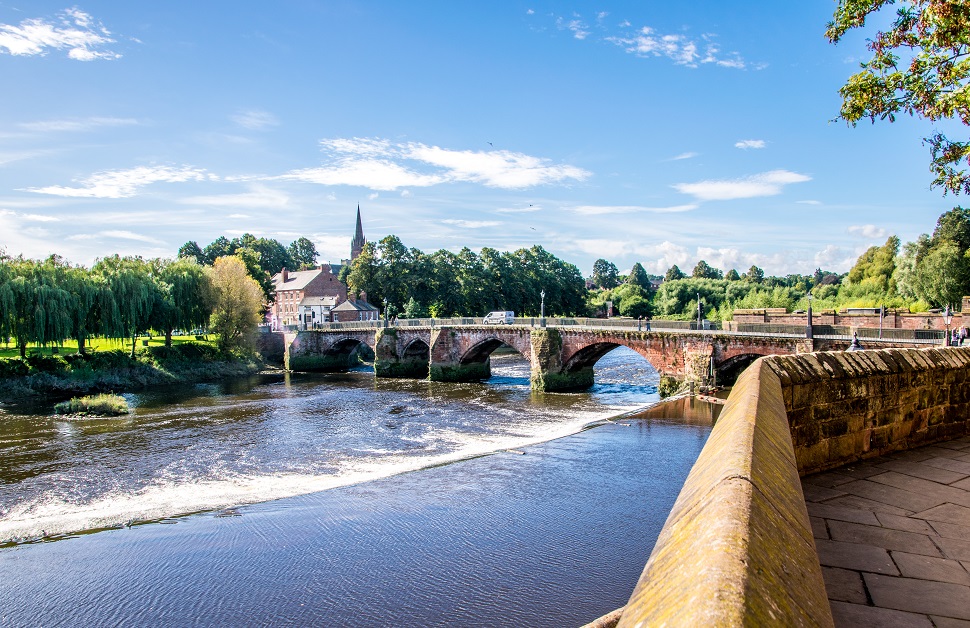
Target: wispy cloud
x,y
518,210
471,224
73,30
579,28
116,235
255,119
687,155
77,124
809,202
258,197
764,184
630,209
682,50
379,164
868,231
746,144
125,183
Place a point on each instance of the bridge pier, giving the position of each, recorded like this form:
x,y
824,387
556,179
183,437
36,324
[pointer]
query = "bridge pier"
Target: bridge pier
x,y
319,351
548,374
393,360
446,364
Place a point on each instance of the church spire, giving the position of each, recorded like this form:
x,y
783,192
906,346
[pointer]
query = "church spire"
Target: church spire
x,y
357,244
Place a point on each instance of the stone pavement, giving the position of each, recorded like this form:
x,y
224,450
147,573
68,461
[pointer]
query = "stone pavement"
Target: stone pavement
x,y
893,537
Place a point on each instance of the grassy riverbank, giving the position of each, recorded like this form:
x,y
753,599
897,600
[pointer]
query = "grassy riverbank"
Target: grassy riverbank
x,y
115,370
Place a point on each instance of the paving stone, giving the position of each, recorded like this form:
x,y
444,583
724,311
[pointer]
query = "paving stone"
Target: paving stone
x,y
919,486
951,530
855,515
883,537
958,549
924,471
848,615
860,471
950,513
952,444
907,524
814,493
962,484
830,479
949,622
853,501
844,585
819,531
912,455
855,556
919,596
891,495
950,465
942,452
929,568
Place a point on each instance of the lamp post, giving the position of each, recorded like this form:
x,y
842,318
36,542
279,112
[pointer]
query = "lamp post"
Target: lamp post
x,y
947,319
699,323
542,309
808,328
385,311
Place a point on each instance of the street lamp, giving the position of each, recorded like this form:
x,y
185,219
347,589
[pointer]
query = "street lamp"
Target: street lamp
x,y
854,345
385,311
542,309
699,302
808,328
947,319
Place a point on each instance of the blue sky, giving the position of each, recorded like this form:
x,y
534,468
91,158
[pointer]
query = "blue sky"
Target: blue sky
x,y
658,132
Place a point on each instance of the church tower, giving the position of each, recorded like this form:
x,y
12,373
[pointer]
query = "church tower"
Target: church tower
x,y
357,244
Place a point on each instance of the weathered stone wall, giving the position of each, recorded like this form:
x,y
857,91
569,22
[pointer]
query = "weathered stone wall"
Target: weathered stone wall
x,y
323,351
844,406
891,320
272,346
737,548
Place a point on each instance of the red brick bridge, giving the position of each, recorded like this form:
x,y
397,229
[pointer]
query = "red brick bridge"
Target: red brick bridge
x,y
562,358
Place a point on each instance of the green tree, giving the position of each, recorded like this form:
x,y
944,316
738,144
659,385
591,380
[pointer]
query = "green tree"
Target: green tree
x,y
219,247
876,267
185,296
732,275
754,275
134,295
674,273
705,271
303,253
238,303
639,277
605,274
191,249
920,66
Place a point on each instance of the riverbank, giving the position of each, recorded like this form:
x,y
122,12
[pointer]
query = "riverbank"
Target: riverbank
x,y
117,371
555,537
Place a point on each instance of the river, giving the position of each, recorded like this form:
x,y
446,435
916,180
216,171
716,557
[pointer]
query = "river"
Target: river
x,y
329,500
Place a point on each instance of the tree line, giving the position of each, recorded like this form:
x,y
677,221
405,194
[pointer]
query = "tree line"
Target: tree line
x,y
50,301
442,284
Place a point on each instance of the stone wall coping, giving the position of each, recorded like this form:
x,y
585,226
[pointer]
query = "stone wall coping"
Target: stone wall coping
x,y
737,547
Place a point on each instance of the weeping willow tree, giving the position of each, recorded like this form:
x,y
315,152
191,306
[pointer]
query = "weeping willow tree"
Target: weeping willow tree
x,y
130,281
184,297
35,308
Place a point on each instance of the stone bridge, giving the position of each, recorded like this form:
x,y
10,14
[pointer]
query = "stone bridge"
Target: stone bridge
x,y
561,358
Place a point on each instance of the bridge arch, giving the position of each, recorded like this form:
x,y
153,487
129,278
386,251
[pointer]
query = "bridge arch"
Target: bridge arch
x,y
728,370
480,352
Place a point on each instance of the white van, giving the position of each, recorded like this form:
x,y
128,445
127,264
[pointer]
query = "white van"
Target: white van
x,y
500,318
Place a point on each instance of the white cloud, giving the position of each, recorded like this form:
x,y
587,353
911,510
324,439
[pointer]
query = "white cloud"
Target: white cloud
x,y
764,184
630,209
73,31
577,26
746,144
471,224
379,164
518,210
77,124
258,197
255,119
646,42
868,231
835,258
372,196
238,216
115,234
405,193
809,202
125,183
687,155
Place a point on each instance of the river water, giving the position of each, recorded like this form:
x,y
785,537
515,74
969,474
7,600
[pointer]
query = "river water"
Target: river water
x,y
309,512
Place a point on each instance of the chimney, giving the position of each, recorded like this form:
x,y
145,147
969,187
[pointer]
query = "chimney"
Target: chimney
x,y
286,275
363,296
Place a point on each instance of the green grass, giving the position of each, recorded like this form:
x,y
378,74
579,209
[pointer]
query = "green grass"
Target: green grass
x,y
10,350
94,405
